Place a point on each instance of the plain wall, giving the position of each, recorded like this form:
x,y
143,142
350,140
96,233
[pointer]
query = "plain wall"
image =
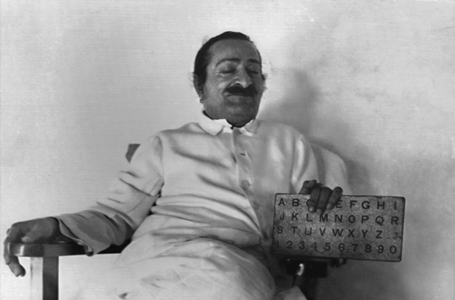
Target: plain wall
x,y
373,81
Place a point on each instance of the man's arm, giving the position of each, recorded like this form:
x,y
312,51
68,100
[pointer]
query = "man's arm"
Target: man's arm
x,y
112,221
128,201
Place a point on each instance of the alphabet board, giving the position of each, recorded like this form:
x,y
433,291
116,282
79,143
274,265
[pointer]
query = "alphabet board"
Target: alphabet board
x,y
358,227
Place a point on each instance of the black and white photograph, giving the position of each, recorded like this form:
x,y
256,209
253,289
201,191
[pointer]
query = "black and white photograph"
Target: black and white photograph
x,y
227,149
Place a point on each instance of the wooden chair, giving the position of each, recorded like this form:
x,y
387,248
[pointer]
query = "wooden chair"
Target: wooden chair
x,y
44,263
44,267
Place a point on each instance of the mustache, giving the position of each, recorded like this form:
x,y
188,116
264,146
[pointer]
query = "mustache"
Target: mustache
x,y
239,90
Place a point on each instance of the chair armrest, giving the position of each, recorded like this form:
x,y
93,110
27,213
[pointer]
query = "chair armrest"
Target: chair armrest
x,y
44,263
64,248
55,249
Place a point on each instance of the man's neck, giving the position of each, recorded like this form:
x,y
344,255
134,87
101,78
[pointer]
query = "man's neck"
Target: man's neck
x,y
233,124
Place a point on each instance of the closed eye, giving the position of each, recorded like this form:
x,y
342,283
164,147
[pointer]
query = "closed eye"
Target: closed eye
x,y
253,72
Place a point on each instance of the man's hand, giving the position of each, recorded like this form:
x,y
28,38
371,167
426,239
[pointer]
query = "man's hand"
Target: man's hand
x,y
321,197
29,232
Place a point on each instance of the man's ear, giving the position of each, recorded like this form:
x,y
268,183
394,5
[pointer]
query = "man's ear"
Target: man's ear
x,y
264,78
198,86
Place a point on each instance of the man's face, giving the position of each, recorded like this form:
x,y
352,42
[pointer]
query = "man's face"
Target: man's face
x,y
234,84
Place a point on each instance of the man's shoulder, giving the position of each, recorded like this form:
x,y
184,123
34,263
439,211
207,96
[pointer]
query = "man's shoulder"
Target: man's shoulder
x,y
192,127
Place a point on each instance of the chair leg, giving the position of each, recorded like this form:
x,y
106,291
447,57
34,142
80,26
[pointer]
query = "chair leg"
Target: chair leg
x,y
309,286
44,278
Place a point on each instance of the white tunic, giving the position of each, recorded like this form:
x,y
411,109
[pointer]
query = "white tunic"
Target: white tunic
x,y
210,232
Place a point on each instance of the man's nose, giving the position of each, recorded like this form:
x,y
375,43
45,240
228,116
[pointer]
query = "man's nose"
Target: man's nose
x,y
243,78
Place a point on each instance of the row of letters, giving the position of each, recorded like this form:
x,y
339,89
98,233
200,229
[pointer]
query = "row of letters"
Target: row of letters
x,y
296,202
339,218
337,232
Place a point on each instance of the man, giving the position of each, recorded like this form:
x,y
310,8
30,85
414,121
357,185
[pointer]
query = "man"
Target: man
x,y
213,183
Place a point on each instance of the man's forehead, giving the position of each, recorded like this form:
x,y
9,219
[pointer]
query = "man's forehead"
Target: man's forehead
x,y
234,50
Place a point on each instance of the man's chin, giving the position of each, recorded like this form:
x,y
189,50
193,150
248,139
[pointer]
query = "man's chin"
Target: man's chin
x,y
239,118
241,104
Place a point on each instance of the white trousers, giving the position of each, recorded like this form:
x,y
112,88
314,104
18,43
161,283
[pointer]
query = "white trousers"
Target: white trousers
x,y
199,269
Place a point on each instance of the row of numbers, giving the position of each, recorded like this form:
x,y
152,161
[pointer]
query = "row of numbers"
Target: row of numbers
x,y
341,247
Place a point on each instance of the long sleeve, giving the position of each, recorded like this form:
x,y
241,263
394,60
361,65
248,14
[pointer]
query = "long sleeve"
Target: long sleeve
x,y
304,163
332,169
116,216
313,162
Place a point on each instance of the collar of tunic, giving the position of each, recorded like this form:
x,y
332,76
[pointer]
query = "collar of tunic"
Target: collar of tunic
x,y
214,127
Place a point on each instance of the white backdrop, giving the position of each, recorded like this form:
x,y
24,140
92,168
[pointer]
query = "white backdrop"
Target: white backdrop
x,y
372,81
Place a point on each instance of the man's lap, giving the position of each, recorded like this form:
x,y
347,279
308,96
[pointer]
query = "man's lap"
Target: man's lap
x,y
195,269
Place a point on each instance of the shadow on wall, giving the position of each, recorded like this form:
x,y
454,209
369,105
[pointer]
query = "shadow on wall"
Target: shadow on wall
x,y
302,107
298,104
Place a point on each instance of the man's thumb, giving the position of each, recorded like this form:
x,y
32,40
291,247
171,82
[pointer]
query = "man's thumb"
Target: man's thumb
x,y
29,238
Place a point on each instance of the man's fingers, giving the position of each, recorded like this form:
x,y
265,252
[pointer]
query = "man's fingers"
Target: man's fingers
x,y
321,198
14,235
31,237
6,255
12,261
324,196
314,197
307,186
16,267
335,197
